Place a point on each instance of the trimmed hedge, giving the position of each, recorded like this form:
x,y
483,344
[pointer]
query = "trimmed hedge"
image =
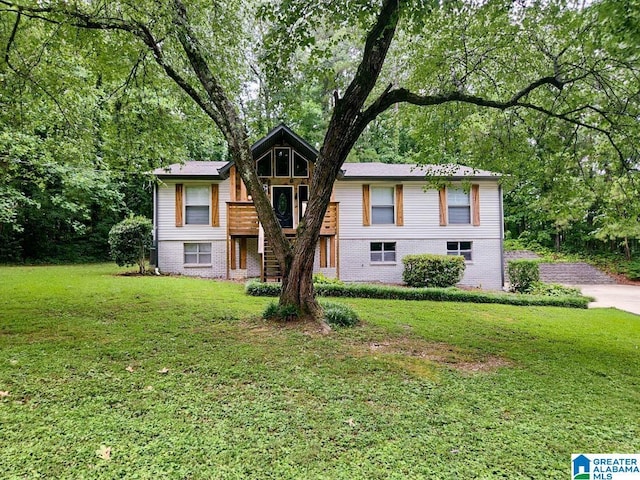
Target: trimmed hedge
x,y
428,270
357,290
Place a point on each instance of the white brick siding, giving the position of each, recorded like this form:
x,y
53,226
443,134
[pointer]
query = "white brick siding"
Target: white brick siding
x,y
171,259
483,271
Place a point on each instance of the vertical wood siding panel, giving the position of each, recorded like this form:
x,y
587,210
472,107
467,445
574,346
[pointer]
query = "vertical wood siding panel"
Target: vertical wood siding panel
x,y
366,206
215,205
475,204
243,254
179,205
442,195
399,206
323,252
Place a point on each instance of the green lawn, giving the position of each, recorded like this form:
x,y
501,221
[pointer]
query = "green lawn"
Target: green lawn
x,y
421,390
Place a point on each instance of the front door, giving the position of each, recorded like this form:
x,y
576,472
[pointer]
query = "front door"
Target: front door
x,y
282,198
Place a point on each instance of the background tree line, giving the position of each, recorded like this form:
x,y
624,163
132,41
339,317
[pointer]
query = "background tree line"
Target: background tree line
x,y
81,129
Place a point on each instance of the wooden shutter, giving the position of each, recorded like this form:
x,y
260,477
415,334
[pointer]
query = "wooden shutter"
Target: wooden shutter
x,y
366,206
443,206
399,206
215,209
475,205
179,204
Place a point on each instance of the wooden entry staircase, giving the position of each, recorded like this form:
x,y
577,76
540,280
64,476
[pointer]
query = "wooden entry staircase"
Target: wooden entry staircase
x,y
271,271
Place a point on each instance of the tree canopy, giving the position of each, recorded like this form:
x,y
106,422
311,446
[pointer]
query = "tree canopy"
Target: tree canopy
x,y
546,90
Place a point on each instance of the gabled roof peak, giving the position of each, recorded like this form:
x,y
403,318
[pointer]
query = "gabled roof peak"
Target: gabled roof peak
x,y
282,134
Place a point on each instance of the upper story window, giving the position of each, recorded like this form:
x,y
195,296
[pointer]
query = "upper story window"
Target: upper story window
x,y
458,206
197,205
264,167
382,205
300,166
282,162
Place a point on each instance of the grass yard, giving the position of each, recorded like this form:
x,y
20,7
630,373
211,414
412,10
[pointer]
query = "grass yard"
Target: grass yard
x,y
107,376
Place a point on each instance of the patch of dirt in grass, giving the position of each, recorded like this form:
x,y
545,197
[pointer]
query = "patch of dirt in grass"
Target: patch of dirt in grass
x,y
414,354
440,353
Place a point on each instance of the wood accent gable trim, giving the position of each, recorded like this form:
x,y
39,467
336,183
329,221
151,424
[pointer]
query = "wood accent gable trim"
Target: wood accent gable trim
x,y
399,205
215,205
366,206
179,204
475,204
442,195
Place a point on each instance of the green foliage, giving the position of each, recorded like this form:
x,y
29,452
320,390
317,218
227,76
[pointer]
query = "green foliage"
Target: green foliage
x,y
633,270
553,290
84,116
321,278
428,270
358,290
130,241
339,314
523,274
285,313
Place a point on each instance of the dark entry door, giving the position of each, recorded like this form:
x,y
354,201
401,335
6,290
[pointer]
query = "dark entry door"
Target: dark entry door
x,y
282,198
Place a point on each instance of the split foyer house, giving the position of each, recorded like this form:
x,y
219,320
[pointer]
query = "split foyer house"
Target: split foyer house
x,y
205,223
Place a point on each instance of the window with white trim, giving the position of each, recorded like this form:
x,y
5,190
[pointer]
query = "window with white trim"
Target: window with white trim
x,y
382,205
264,166
460,248
196,203
382,252
197,253
283,162
459,206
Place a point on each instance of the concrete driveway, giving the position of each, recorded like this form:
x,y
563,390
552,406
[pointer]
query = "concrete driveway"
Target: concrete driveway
x,y
622,297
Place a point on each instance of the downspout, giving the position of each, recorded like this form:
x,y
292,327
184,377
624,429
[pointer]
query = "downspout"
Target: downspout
x,y
501,236
155,224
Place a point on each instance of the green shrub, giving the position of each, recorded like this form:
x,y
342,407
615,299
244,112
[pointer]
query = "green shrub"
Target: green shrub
x,y
130,241
256,288
275,311
339,315
633,270
553,290
357,290
321,278
427,270
523,274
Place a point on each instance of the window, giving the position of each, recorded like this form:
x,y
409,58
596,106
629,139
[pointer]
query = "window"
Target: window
x,y
460,248
459,208
303,199
283,165
383,251
197,205
300,166
263,165
197,253
382,206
